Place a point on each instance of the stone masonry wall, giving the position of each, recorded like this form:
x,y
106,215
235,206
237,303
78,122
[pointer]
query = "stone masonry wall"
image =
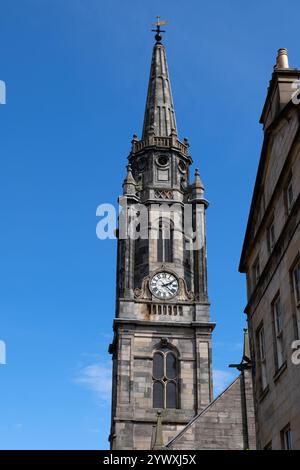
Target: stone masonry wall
x,y
227,423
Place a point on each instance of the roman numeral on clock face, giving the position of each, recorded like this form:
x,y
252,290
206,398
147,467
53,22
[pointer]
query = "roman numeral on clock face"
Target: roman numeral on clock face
x,y
164,285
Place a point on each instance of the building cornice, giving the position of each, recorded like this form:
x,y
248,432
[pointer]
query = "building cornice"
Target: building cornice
x,y
273,84
209,326
274,260
158,144
248,241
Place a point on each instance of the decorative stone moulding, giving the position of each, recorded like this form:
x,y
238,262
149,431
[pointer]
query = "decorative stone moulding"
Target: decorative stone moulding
x,y
160,142
165,309
163,194
183,294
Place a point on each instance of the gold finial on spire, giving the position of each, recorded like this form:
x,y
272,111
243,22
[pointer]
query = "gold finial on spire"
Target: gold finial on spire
x,y
159,22
158,31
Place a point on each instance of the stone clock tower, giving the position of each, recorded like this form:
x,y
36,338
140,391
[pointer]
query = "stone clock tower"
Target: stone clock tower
x,y
162,330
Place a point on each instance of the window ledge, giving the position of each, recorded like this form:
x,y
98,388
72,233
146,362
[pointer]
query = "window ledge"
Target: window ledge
x,y
263,393
280,371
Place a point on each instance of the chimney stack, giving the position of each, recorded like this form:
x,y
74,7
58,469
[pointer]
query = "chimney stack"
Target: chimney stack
x,y
281,88
282,60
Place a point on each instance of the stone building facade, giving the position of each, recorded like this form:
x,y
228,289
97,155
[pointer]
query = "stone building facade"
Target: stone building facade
x,y
228,422
162,357
271,261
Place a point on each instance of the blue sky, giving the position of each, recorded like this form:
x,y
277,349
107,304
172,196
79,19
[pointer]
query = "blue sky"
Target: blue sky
x,y
76,73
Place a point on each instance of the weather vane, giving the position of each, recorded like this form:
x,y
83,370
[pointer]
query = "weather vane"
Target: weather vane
x,y
158,31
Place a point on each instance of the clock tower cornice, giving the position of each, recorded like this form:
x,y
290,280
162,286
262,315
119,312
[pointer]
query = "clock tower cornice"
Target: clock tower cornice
x,y
160,144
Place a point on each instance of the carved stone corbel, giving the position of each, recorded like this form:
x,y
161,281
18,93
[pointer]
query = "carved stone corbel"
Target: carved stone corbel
x,y
143,292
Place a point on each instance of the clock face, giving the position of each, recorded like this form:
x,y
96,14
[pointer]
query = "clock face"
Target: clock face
x,y
164,285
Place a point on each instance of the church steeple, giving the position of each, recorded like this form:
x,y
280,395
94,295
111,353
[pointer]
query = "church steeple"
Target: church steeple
x,y
162,308
159,113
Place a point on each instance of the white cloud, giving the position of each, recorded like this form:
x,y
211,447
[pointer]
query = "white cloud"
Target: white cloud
x,y
221,380
96,377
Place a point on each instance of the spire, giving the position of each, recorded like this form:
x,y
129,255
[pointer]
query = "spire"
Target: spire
x,y
159,113
129,185
197,189
198,183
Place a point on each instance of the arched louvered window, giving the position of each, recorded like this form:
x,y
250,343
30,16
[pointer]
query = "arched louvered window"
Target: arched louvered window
x,y
165,379
165,241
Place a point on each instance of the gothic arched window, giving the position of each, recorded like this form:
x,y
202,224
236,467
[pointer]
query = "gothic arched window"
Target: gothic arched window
x,y
165,379
165,241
